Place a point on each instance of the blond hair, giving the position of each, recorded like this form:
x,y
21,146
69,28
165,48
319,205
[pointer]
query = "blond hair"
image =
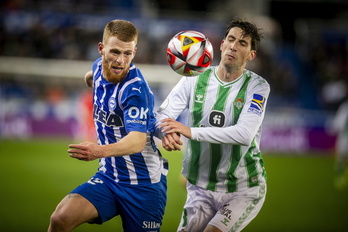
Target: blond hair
x,y
123,30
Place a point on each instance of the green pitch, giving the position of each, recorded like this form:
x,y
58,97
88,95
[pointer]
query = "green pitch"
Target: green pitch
x,y
37,174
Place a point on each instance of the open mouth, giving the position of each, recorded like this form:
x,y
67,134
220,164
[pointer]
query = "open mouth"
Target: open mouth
x,y
117,69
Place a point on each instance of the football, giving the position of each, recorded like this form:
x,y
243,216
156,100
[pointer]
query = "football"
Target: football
x,y
189,53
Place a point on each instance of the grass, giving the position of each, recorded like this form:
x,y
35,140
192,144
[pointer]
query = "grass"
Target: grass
x,y
37,174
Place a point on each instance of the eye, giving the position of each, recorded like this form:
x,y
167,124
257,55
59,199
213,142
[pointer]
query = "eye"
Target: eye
x,y
115,52
244,44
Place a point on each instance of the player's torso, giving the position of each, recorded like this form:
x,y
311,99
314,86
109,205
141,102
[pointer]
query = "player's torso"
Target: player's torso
x,y
112,119
212,106
217,105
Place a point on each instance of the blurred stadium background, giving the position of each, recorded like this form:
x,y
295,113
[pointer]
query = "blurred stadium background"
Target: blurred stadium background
x,y
47,46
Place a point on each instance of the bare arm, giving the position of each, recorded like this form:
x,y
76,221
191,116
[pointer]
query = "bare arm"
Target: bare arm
x,y
89,78
133,143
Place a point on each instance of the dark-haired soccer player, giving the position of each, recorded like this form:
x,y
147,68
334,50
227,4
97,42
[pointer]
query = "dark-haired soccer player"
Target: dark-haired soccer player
x,y
226,179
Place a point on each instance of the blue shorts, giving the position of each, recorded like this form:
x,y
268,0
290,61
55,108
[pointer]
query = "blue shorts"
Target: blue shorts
x,y
141,207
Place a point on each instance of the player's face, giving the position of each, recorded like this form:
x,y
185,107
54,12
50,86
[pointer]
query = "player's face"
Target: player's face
x,y
116,58
236,50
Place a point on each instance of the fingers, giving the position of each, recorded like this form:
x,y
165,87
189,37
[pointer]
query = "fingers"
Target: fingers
x,y
176,137
78,151
170,143
169,126
168,122
78,146
78,156
166,144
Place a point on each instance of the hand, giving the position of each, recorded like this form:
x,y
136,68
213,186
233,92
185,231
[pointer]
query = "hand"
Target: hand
x,y
89,78
172,142
86,151
170,125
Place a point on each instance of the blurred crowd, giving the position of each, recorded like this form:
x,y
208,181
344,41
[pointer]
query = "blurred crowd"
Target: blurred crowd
x,y
310,73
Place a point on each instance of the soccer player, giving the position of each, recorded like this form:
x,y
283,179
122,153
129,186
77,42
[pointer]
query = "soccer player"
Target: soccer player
x,y
340,126
131,179
226,178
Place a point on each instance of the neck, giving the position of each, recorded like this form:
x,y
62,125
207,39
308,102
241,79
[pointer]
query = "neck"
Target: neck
x,y
228,75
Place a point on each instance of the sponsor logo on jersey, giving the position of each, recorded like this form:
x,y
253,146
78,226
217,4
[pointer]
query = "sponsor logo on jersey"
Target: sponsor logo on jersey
x,y
217,118
138,115
199,98
137,89
135,112
106,118
136,121
256,105
151,225
226,212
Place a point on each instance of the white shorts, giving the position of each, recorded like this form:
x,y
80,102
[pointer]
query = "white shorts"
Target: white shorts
x,y
226,211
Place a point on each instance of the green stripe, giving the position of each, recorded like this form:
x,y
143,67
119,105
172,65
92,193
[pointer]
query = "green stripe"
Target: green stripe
x,y
194,161
236,149
222,98
216,154
249,209
184,218
216,149
232,179
198,99
251,166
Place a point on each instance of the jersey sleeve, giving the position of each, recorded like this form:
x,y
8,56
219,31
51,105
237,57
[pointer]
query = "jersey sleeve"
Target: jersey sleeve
x,y
175,103
248,124
95,65
137,107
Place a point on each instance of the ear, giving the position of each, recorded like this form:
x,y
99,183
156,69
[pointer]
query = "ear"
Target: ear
x,y
222,42
252,55
100,48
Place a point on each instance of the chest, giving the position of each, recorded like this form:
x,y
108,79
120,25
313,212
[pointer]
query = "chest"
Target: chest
x,y
106,106
216,105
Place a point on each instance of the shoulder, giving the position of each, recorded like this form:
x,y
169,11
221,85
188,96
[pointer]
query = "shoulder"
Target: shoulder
x,y
192,79
97,63
257,80
135,82
136,78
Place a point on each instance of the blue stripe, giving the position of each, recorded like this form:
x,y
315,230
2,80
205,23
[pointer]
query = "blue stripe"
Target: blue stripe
x,y
122,170
140,168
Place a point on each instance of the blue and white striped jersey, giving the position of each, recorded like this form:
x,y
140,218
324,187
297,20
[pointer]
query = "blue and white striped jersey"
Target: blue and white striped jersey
x,y
119,109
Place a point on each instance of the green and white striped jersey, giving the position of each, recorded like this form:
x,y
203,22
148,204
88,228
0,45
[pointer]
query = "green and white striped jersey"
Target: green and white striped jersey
x,y
225,118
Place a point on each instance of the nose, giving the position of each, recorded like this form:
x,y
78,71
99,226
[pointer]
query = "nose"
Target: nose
x,y
233,46
119,59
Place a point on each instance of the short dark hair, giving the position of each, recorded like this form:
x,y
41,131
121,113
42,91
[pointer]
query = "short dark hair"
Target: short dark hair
x,y
249,29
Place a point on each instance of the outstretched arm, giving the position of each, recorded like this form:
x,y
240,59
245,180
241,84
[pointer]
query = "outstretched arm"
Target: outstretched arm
x,y
133,143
